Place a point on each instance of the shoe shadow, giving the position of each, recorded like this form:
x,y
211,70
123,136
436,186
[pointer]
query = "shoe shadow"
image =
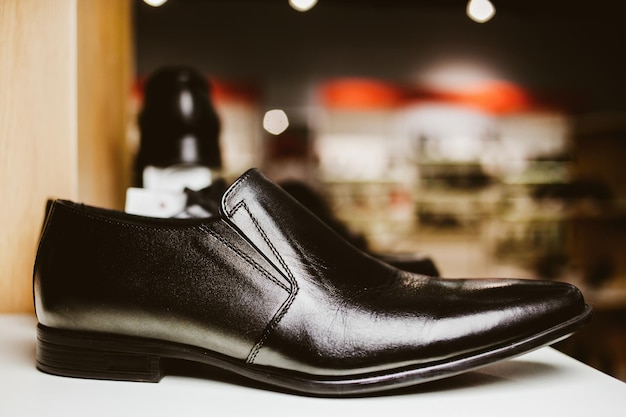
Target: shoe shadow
x,y
505,372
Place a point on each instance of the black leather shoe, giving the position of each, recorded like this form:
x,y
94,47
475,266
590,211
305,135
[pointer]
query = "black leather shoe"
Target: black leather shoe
x,y
269,292
178,123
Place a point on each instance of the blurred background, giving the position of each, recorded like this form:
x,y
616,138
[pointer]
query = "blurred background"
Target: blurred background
x,y
495,148
486,135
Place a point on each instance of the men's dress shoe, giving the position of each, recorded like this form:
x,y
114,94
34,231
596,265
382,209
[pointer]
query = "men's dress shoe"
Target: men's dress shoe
x,y
269,292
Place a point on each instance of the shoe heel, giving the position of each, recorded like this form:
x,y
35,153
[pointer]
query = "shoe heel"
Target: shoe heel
x,y
82,355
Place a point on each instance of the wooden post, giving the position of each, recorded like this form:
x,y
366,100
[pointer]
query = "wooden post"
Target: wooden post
x,y
52,103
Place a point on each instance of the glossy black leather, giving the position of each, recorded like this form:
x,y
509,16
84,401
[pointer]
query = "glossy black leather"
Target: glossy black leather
x,y
270,284
178,123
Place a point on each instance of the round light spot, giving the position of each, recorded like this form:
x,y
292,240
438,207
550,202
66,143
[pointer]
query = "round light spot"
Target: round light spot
x,y
275,121
155,3
480,11
302,5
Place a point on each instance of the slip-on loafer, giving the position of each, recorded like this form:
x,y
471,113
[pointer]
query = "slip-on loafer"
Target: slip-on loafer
x,y
269,292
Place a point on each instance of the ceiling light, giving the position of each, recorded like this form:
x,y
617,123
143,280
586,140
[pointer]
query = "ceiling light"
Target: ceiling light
x,y
302,5
480,11
155,3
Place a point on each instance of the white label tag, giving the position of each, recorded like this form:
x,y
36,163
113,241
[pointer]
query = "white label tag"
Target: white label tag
x,y
176,177
155,203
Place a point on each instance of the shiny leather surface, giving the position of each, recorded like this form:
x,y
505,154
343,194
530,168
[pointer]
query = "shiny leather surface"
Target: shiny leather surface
x,y
178,123
198,283
271,284
354,312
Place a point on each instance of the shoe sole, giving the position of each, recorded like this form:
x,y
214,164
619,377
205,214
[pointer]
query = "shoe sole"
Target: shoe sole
x,y
124,358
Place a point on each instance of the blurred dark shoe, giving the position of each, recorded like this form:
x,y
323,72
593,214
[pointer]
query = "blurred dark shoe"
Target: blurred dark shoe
x,y
208,199
269,292
416,262
177,123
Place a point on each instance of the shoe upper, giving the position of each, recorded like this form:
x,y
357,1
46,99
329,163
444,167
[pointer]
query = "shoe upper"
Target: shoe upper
x,y
269,283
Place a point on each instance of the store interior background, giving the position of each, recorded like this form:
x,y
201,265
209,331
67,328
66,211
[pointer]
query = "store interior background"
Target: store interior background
x,y
496,148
